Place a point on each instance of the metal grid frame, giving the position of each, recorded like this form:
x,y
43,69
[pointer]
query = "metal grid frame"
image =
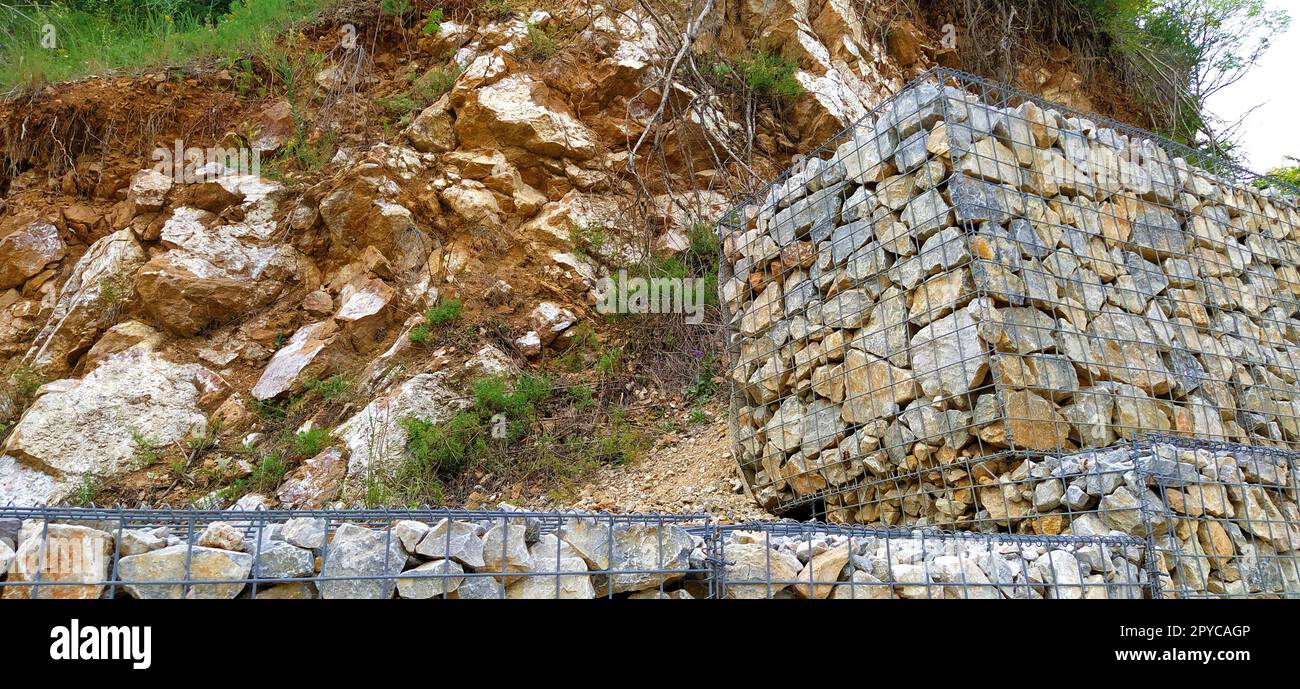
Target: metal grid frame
x,y
1224,521
661,559
779,559
900,320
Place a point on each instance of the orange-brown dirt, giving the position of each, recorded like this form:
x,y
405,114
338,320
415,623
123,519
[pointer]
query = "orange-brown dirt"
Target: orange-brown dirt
x,y
69,151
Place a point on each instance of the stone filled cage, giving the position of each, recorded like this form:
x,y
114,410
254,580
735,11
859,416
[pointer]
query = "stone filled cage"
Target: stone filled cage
x,y
972,289
90,553
1166,531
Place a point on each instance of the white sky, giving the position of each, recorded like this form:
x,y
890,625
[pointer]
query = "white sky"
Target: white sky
x,y
1272,131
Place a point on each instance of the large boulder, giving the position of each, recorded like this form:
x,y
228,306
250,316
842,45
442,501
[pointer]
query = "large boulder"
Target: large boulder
x,y
432,131
214,272
88,428
315,482
520,112
290,361
27,250
74,557
361,214
88,302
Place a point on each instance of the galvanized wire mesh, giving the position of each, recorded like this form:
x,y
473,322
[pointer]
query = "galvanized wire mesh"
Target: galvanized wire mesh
x,y
1142,551
972,284
843,562
1223,518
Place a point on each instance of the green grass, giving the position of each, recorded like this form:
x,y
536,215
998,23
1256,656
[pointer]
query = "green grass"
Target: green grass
x,y
521,430
268,473
766,75
437,318
703,388
498,10
330,388
144,450
541,44
310,443
424,90
87,491
26,381
116,34
610,362
437,451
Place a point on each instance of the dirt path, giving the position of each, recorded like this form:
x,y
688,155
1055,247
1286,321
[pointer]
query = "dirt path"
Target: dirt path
x,y
694,474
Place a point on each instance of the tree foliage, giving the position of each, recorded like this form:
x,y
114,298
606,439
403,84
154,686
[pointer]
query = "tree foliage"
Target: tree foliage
x,y
1179,53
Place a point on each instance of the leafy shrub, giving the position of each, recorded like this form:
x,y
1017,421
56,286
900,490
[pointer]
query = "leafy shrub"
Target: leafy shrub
x,y
309,443
432,22
466,438
610,362
541,44
499,10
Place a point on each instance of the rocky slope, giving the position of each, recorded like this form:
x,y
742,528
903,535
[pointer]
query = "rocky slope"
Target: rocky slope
x,y
163,338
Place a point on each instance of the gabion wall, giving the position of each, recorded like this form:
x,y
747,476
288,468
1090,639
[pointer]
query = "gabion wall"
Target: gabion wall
x,y
971,284
1174,520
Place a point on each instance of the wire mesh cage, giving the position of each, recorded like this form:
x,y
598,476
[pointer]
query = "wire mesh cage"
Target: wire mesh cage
x,y
777,560
972,284
73,553
1225,521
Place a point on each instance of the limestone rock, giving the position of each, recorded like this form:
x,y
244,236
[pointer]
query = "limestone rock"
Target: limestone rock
x,y
948,357
432,131
170,564
358,551
375,438
285,367
557,572
821,569
755,571
148,190
549,320
27,251
304,532
456,540
433,579
87,427
521,112
315,482
77,556
103,276
1034,422
222,536
214,270
505,550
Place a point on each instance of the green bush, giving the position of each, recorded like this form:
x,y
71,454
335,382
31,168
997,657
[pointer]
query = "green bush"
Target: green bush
x,y
769,75
432,22
436,451
541,44
309,443
1286,175
438,317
